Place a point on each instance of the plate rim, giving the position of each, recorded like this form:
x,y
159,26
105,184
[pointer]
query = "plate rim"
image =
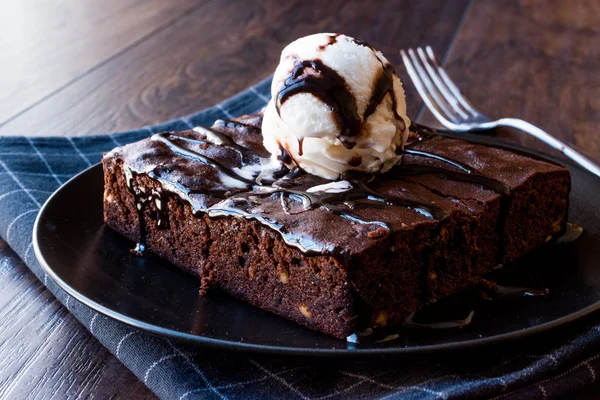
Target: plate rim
x,y
304,351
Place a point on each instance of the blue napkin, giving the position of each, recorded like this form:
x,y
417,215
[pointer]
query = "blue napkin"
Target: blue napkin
x,y
32,168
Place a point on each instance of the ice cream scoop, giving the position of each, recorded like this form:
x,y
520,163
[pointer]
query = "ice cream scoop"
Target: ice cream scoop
x,y
337,105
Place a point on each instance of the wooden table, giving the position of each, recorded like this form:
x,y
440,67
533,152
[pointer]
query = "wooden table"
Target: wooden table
x,y
93,66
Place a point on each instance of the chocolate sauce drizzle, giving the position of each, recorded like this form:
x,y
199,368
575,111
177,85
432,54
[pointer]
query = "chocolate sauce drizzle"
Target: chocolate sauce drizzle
x,y
518,291
313,76
329,87
241,187
238,204
142,198
451,324
384,85
169,140
465,174
331,39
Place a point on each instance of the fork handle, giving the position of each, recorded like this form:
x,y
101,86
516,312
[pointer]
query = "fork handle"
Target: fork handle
x,y
552,142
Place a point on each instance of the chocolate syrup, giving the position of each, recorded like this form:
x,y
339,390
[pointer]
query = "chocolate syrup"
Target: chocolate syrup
x,y
240,186
518,291
237,203
143,196
474,178
363,43
384,85
327,85
427,133
169,139
331,39
284,156
221,138
450,324
465,174
361,191
355,161
313,76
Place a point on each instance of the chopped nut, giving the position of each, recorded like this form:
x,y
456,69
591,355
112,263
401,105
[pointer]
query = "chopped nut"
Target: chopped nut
x,y
251,272
381,319
432,276
283,277
377,233
109,198
304,310
444,233
557,226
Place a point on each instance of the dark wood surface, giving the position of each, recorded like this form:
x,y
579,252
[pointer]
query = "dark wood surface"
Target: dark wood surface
x,y
535,60
45,353
216,49
84,67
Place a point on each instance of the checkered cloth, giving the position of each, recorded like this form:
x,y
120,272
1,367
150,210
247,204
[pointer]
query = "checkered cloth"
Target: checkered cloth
x,y
32,168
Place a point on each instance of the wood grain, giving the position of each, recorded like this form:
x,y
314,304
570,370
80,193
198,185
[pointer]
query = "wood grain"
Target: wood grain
x,y
219,49
93,66
46,45
538,60
45,352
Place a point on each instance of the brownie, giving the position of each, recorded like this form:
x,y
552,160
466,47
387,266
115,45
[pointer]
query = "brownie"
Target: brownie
x,y
334,262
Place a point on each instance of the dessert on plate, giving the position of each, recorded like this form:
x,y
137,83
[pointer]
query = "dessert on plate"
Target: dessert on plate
x,y
329,207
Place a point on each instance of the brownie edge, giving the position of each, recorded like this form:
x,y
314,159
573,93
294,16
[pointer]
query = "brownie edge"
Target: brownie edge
x,y
254,264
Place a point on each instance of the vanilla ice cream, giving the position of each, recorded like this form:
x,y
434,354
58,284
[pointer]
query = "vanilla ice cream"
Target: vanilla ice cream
x,y
337,105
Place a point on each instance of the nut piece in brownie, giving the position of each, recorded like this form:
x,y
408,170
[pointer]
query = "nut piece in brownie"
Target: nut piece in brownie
x,y
333,256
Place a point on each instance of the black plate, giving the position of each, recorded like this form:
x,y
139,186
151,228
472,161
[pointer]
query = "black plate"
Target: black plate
x,y
94,265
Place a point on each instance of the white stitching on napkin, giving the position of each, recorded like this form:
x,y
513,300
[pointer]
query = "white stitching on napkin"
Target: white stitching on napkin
x,y
121,342
262,96
18,182
242,383
92,323
17,218
555,377
198,371
155,363
544,394
280,380
3,195
44,160
227,113
591,369
79,151
115,141
391,387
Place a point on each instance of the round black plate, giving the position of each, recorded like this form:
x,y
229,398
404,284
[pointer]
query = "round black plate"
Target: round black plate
x,y
94,265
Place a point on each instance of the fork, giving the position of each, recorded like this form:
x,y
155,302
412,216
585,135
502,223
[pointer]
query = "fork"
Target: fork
x,y
451,108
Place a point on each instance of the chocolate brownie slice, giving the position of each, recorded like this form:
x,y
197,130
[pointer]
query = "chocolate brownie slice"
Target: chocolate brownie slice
x,y
330,257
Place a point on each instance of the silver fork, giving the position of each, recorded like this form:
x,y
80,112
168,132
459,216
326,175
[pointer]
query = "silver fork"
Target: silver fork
x,y
449,106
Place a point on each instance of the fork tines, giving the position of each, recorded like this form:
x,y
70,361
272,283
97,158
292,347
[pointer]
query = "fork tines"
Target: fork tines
x,y
438,91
